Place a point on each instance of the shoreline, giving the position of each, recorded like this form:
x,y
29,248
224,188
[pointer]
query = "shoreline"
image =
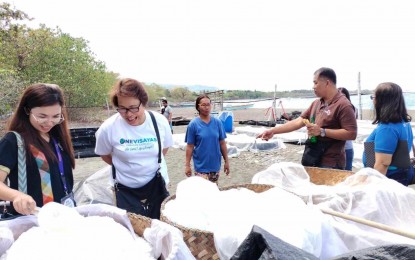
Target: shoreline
x,y
260,114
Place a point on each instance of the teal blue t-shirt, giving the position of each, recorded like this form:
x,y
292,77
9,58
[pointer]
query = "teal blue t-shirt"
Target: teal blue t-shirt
x,y
206,138
387,136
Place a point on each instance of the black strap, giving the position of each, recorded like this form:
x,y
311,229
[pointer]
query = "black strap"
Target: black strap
x,y
153,119
157,133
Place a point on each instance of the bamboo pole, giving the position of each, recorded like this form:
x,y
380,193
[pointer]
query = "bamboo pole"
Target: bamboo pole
x,y
370,223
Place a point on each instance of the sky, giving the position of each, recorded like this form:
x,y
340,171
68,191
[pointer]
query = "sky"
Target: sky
x,y
241,44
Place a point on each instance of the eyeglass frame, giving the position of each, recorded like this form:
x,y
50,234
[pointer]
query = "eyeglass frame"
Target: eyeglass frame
x,y
46,120
372,97
131,109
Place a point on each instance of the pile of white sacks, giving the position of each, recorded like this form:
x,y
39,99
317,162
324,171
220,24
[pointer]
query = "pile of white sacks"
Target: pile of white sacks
x,y
291,210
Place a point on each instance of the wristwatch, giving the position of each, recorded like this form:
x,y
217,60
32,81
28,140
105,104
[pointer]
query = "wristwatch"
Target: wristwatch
x,y
322,132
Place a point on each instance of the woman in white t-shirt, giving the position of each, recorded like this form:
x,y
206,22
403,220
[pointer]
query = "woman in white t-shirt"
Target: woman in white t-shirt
x,y
129,142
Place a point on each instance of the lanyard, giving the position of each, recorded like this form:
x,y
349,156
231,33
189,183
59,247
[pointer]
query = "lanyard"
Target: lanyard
x,y
58,152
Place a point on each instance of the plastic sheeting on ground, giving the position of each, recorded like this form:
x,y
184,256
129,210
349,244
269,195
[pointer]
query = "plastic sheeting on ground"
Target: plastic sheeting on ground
x,y
298,137
237,143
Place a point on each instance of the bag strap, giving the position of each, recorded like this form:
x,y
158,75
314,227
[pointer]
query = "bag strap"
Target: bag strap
x,y
21,164
153,119
157,133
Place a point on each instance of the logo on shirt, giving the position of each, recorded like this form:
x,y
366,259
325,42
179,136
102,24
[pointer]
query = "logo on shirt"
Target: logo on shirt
x,y
138,141
139,144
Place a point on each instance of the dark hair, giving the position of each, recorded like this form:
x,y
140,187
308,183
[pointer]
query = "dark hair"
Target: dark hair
x,y
129,88
42,95
198,100
347,94
326,73
390,104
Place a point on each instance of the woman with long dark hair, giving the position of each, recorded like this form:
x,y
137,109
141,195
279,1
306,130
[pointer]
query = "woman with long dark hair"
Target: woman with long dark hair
x,y
39,120
392,128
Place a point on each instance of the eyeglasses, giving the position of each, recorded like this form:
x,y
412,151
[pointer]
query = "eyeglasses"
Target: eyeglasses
x,y
372,97
131,109
205,105
43,120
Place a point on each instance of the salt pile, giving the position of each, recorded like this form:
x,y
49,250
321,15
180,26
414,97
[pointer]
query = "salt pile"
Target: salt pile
x,y
64,234
231,214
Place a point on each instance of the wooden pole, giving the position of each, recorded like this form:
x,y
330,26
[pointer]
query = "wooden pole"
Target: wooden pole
x,y
359,93
274,105
370,223
273,114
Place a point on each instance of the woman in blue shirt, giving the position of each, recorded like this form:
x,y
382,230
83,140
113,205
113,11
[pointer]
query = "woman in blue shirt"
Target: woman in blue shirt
x,y
393,126
205,138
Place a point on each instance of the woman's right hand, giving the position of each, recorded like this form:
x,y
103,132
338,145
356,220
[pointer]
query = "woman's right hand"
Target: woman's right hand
x,y
188,171
24,204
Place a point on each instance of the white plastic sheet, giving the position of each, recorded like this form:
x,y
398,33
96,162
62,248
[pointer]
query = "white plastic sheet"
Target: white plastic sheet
x,y
231,214
167,241
366,194
65,234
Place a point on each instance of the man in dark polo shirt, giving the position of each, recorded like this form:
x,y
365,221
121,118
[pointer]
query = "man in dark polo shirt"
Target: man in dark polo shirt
x,y
332,120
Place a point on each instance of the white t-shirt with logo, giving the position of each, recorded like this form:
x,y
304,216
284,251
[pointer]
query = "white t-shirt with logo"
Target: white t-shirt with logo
x,y
134,149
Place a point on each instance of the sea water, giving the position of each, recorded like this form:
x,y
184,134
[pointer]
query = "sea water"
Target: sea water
x,y
304,103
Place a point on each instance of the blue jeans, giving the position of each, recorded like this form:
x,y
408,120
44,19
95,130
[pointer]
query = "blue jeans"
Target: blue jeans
x,y
349,159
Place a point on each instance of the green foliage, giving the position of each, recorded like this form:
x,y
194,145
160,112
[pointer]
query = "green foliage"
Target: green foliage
x,y
68,62
51,56
246,94
10,86
182,94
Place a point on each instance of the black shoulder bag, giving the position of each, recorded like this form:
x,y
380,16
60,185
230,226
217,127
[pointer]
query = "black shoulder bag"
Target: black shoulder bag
x,y
313,152
145,200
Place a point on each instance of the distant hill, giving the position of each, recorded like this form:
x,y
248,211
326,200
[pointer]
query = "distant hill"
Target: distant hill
x,y
194,88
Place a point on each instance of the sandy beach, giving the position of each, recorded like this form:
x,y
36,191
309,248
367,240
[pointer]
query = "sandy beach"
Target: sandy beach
x,y
242,167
